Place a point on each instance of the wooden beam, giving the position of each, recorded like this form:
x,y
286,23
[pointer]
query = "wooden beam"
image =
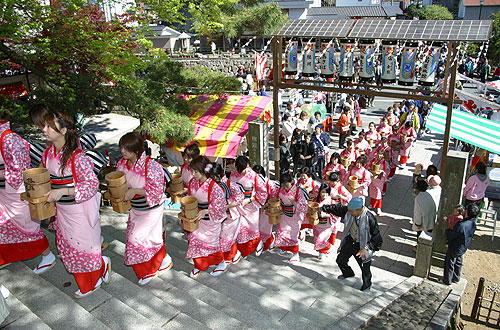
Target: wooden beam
x,y
349,84
276,110
451,97
447,68
370,93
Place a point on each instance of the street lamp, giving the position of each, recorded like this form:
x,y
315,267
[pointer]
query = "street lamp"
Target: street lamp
x,y
481,3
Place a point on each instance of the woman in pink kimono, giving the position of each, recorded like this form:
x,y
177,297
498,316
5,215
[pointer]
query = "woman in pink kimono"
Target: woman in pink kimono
x,y
376,190
394,141
350,151
364,177
204,243
255,197
334,166
231,226
409,135
310,185
190,152
385,128
144,250
372,132
361,143
294,205
326,231
338,192
20,236
265,228
391,118
74,189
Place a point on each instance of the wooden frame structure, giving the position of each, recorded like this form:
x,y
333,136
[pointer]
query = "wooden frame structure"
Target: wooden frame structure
x,y
447,94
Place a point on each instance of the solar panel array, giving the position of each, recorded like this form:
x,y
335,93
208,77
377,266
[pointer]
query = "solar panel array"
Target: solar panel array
x,y
336,28
438,30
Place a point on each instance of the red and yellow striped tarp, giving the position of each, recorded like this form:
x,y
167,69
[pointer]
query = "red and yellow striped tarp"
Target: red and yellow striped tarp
x,y
222,122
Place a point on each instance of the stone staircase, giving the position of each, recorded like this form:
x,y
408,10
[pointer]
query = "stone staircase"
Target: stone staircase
x,y
258,293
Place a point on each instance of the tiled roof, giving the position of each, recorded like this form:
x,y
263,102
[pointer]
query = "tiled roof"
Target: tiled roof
x,y
352,11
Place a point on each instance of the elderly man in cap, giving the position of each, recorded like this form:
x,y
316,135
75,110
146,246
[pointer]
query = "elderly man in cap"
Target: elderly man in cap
x,y
361,238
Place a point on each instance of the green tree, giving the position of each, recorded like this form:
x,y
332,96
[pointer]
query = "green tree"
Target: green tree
x,y
258,20
432,12
86,62
494,45
435,12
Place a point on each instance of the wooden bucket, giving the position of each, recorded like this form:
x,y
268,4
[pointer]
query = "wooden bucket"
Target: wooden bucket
x,y
390,122
115,178
37,190
118,192
313,213
382,134
36,176
375,168
394,144
275,217
191,214
120,206
39,208
176,187
371,142
345,161
274,205
189,203
176,179
353,182
189,224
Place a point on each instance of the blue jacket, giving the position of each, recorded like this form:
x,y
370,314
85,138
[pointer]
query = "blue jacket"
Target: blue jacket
x,y
320,144
460,236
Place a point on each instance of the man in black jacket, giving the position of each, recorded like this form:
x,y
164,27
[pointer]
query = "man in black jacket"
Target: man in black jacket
x,y
459,239
310,154
361,238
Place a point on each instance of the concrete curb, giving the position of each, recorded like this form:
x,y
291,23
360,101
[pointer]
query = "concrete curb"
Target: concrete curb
x,y
441,320
374,307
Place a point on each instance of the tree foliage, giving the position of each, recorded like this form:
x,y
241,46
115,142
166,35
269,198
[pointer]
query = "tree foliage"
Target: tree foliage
x,y
88,63
494,45
432,12
258,20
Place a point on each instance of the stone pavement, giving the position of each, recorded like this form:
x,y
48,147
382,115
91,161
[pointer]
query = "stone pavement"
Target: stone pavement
x,y
258,293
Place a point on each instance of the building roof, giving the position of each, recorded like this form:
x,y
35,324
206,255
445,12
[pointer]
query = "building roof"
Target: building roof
x,y
162,30
353,11
478,3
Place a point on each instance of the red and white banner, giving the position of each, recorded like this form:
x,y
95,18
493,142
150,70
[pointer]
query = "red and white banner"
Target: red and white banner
x,y
260,66
474,103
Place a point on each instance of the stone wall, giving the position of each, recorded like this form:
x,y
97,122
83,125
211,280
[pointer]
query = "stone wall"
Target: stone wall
x,y
226,65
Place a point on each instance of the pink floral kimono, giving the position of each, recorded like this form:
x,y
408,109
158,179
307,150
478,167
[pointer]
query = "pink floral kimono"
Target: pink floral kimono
x,y
406,146
376,189
20,236
352,155
375,136
253,186
186,175
362,145
287,232
231,226
78,232
364,180
326,231
312,188
204,243
339,190
387,130
334,168
265,228
144,249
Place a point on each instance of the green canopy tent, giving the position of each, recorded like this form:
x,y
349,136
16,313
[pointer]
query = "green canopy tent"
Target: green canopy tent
x,y
478,131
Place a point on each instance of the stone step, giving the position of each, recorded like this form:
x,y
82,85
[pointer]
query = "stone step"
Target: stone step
x,y
277,294
238,292
153,312
167,287
54,307
101,303
21,318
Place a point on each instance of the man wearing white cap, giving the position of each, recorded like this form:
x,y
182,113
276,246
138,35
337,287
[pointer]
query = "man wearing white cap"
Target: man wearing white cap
x,y
361,238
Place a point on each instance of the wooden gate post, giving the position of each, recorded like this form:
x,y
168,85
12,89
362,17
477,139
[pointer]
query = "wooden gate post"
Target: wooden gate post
x,y
477,300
